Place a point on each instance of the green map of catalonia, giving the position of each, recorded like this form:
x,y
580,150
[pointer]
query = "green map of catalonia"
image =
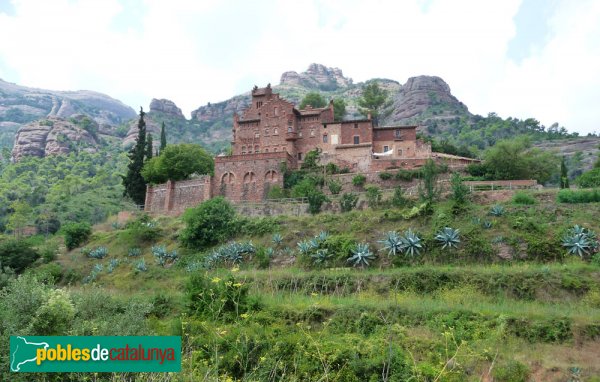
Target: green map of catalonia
x,y
24,352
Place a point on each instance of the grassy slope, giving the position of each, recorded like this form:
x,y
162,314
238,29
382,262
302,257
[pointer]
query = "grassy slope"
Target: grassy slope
x,y
543,315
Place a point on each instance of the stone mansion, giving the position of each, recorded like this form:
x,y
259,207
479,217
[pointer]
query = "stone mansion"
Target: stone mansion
x,y
272,131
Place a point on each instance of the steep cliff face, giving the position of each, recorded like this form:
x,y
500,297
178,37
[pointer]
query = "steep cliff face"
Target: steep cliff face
x,y
166,107
422,98
52,136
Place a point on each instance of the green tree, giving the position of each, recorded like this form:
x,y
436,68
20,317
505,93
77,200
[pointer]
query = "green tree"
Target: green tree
x,y
373,101
178,162
19,217
149,145
460,192
17,254
589,179
163,137
339,109
210,223
564,176
135,186
429,190
373,195
516,159
313,99
311,160
76,234
348,201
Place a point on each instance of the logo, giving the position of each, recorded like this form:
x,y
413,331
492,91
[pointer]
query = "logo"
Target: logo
x,y
95,354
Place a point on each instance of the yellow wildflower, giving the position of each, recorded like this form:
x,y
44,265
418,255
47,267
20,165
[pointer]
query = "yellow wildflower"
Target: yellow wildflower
x,y
216,280
244,315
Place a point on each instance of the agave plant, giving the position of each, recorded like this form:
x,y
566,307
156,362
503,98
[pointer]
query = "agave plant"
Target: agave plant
x,y
112,264
577,244
320,257
578,230
448,237
314,242
269,252
392,243
411,243
487,224
98,253
141,266
277,239
304,247
322,236
361,255
497,210
134,252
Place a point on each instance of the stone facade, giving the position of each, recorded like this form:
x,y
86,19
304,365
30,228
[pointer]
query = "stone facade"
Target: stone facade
x,y
271,133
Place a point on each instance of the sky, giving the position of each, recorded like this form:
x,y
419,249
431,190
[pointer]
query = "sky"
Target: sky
x,y
519,58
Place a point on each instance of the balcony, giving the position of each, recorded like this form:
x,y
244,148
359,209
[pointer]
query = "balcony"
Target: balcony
x,y
291,136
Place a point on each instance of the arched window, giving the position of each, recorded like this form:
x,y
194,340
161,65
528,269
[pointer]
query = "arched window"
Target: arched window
x,y
249,177
271,176
256,149
243,149
266,150
228,178
274,149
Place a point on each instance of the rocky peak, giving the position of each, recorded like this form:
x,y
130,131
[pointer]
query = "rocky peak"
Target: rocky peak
x,y
166,106
317,76
53,136
425,93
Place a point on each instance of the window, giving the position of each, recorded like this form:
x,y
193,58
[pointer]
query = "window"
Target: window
x,y
289,122
266,150
276,111
266,132
300,134
243,149
259,104
356,139
256,149
256,134
397,134
386,148
299,156
324,138
312,132
274,149
275,131
399,152
356,125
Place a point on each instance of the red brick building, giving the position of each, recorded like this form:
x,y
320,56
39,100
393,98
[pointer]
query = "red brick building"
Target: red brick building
x,y
273,131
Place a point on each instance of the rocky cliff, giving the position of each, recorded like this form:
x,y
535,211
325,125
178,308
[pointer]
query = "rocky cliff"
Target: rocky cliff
x,y
317,77
165,106
20,105
54,135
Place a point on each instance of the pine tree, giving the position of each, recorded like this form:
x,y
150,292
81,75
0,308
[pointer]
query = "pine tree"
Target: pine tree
x,y
374,101
149,145
564,175
163,137
135,186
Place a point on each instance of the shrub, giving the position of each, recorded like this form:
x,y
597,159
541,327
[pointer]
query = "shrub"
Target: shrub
x,y
385,176
216,298
544,248
209,223
589,179
315,199
460,192
232,253
512,371
276,192
76,234
17,255
392,243
348,201
332,168
373,195
143,229
522,197
578,196
359,180
334,187
398,199
407,175
256,226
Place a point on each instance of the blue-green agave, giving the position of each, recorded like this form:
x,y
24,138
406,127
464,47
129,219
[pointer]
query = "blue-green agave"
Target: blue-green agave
x,y
361,255
497,210
448,237
277,239
392,243
577,244
320,257
411,243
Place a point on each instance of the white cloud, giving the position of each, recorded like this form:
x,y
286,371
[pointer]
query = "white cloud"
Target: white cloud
x,y
193,52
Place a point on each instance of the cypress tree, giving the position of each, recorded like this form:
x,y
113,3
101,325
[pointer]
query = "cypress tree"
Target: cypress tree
x,y
564,176
135,186
163,137
149,145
